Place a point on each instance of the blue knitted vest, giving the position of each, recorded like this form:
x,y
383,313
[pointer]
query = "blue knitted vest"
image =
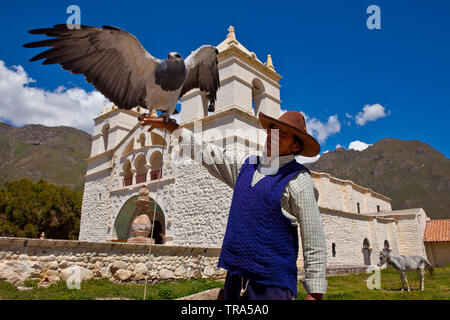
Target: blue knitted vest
x,y
260,243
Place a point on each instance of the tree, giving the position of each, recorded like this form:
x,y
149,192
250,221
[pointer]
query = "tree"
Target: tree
x,y
27,209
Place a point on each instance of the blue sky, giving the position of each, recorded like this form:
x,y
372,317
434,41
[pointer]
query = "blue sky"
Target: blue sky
x,y
332,65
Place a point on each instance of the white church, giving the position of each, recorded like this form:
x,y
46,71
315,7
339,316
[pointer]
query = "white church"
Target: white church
x,y
192,206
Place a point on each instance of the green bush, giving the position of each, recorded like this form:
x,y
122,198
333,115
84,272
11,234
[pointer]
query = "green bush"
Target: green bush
x,y
27,209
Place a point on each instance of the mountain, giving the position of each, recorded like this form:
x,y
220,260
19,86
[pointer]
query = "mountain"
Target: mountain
x,y
411,173
56,154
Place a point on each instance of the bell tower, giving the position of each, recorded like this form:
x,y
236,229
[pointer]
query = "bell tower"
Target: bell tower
x,y
246,84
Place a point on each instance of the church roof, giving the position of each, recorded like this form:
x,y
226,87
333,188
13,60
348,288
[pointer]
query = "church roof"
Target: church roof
x,y
437,231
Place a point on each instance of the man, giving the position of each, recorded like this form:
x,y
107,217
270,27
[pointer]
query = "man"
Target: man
x,y
272,196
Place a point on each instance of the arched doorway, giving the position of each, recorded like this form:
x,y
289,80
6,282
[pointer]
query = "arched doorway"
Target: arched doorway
x,y
366,251
159,228
122,226
158,233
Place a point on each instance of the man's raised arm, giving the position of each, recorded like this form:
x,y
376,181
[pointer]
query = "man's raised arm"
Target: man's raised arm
x,y
223,164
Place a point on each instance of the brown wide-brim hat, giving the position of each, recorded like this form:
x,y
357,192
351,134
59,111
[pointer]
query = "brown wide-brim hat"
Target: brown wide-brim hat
x,y
294,122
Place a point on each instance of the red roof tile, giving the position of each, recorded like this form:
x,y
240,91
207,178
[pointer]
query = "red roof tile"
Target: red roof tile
x,y
437,230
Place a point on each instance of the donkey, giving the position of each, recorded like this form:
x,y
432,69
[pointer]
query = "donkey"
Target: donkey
x,y
402,264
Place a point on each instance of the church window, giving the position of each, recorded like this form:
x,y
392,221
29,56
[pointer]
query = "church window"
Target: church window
x,y
358,207
333,249
366,251
257,94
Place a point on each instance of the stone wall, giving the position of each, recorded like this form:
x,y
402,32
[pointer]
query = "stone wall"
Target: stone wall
x,y
95,224
48,261
199,215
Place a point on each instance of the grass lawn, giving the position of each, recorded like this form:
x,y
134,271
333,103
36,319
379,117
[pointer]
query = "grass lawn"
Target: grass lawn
x,y
354,286
349,287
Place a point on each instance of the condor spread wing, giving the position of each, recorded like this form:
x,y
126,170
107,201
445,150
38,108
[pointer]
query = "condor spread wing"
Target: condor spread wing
x,y
110,58
202,72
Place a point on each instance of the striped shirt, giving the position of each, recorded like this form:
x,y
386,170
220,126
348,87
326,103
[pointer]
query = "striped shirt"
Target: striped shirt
x,y
299,200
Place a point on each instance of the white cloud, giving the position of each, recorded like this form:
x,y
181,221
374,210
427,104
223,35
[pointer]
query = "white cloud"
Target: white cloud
x,y
358,145
22,104
338,146
320,130
370,113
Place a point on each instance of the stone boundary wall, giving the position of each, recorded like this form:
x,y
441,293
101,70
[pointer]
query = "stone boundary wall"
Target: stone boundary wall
x,y
49,261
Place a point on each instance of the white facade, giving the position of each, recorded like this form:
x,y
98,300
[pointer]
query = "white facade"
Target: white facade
x,y
193,206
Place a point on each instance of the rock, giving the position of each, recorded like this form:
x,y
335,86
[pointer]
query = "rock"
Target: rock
x,y
48,258
195,273
140,268
17,271
122,274
52,273
180,271
165,274
118,265
105,272
63,264
208,271
23,256
53,265
24,288
53,279
76,274
211,294
140,276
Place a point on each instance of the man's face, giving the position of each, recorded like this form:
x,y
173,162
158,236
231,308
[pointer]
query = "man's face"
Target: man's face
x,y
283,140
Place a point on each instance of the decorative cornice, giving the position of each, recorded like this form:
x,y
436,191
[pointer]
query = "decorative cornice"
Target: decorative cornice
x,y
111,112
349,182
111,130
90,174
250,60
232,110
137,186
354,214
100,155
7,242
